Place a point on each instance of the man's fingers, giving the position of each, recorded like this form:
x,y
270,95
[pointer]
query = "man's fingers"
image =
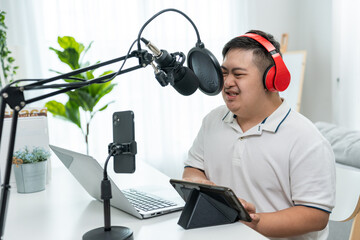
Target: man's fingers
x,y
199,180
249,207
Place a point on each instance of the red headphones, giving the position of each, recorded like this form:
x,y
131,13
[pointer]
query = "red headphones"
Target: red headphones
x,y
276,77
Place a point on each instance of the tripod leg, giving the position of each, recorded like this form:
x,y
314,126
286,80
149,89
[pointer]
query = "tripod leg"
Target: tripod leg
x,y
6,185
2,116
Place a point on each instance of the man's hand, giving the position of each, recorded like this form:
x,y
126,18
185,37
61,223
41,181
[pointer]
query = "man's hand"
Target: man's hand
x,y
195,175
199,180
288,222
251,209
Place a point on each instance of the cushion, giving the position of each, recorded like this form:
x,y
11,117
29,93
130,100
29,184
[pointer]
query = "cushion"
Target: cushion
x,y
345,143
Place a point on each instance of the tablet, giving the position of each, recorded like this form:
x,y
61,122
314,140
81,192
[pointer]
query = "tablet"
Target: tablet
x,y
219,193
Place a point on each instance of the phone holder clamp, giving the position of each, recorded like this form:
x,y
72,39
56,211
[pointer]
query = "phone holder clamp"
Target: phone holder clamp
x,y
122,148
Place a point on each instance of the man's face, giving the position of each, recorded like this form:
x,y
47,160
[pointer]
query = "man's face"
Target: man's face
x,y
243,90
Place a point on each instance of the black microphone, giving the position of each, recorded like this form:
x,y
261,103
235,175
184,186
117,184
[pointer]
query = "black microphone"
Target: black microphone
x,y
171,70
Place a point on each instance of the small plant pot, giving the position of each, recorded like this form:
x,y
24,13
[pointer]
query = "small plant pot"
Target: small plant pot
x,y
30,177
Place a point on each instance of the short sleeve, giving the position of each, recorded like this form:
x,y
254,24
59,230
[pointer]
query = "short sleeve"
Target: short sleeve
x,y
196,153
313,175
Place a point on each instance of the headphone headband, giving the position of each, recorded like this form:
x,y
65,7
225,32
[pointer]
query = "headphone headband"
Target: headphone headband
x,y
276,78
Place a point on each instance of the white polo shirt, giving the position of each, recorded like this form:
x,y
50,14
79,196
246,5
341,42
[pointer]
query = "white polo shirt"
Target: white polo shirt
x,y
281,162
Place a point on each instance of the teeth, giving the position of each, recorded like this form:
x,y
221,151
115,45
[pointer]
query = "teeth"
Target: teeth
x,y
231,93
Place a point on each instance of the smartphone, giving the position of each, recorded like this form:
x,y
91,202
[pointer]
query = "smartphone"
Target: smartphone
x,y
124,133
220,193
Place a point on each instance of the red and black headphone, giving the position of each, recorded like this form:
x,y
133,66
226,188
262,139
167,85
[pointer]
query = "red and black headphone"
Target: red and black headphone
x,y
276,77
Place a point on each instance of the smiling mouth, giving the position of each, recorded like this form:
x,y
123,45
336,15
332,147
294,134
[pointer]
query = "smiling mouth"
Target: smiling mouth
x,y
231,93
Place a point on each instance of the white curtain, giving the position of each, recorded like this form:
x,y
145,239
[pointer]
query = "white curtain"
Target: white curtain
x,y
165,122
346,63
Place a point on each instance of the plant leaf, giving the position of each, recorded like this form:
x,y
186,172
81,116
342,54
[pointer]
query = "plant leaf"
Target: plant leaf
x,y
52,70
101,109
56,108
82,98
72,113
86,50
104,107
89,74
69,112
69,56
101,89
70,42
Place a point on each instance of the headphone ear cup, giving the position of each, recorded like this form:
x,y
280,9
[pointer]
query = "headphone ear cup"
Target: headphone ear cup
x,y
269,78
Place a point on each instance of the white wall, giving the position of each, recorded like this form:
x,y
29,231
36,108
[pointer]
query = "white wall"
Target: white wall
x,y
308,24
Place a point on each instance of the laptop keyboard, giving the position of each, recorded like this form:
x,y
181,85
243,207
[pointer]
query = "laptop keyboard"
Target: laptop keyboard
x,y
146,202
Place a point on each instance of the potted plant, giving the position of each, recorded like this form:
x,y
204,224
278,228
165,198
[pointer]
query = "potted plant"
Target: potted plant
x,y
82,104
30,169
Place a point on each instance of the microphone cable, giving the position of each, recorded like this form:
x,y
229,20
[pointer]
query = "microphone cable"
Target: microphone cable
x,y
161,12
105,78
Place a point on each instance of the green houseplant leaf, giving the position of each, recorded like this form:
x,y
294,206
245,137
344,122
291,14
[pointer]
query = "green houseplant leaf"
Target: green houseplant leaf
x,y
69,56
69,112
81,102
8,70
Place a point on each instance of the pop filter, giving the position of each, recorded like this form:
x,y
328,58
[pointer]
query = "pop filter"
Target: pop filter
x,y
205,66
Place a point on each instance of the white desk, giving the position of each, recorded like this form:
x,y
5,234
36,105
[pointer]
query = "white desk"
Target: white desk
x,y
65,211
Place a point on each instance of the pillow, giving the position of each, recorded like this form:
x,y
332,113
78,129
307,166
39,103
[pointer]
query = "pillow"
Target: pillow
x,y
345,143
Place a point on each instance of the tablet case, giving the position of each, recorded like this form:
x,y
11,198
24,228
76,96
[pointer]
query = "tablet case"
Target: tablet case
x,y
201,210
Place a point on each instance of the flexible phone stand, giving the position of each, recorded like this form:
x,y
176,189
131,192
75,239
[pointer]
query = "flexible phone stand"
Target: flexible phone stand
x,y
201,210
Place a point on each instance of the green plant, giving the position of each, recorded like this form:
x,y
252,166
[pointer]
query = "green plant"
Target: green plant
x,y
26,156
8,71
85,98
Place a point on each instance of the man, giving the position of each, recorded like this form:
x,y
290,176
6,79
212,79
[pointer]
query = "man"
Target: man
x,y
275,160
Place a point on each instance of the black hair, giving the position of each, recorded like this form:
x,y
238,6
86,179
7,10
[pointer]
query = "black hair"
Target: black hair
x,y
262,58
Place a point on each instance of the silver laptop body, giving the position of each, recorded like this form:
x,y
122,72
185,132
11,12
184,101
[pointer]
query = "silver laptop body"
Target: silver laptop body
x,y
89,173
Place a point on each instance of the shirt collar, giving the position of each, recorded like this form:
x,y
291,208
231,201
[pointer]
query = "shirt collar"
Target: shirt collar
x,y
229,117
272,123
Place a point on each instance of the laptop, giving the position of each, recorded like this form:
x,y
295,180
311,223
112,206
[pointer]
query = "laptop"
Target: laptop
x,y
137,202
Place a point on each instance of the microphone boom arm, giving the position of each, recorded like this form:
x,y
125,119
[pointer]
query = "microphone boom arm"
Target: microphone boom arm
x,y
14,97
11,94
